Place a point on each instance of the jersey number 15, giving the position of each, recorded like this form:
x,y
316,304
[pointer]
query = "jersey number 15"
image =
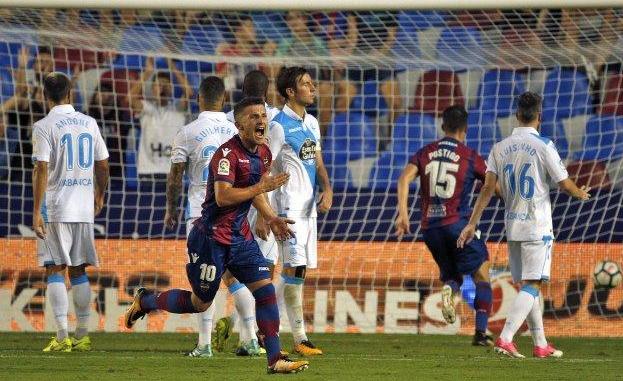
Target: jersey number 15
x,y
441,179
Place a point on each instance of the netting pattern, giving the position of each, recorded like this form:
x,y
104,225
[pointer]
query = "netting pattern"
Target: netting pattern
x,y
383,79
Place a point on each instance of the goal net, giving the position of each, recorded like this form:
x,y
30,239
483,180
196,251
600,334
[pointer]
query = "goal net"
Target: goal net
x,y
382,79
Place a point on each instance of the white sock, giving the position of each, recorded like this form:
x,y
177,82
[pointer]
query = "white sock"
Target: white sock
x,y
281,303
81,291
535,322
519,311
206,320
57,292
245,305
293,296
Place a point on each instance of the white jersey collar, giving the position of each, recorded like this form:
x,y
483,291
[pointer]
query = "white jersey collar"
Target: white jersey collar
x,y
525,130
219,116
289,112
63,109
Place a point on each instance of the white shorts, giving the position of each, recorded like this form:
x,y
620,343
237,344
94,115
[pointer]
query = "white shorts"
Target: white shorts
x,y
268,247
302,250
67,243
530,260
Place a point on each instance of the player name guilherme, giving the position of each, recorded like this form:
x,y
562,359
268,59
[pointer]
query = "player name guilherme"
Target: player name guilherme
x,y
75,182
443,152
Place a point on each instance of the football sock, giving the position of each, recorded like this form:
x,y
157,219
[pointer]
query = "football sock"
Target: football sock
x,y
482,304
454,285
81,292
293,296
535,323
57,292
175,300
206,320
245,305
519,311
267,315
281,303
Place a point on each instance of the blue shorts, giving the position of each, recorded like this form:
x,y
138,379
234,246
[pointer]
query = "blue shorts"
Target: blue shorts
x,y
454,262
208,260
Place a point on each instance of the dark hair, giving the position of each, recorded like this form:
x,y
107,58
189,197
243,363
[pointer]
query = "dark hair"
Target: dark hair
x,y
211,89
163,75
287,78
454,118
255,84
44,50
528,106
56,86
246,102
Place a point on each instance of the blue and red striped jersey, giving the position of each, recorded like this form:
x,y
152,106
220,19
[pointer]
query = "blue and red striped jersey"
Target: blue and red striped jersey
x,y
447,169
234,164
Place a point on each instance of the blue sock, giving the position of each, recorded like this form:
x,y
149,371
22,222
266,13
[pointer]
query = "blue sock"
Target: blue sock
x,y
482,304
267,316
176,301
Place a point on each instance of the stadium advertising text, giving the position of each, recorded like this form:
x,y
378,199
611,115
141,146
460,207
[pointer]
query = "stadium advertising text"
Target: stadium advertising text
x,y
394,291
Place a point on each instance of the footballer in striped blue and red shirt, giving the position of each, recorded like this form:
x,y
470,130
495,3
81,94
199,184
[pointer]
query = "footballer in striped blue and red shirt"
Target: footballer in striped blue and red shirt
x,y
221,239
448,169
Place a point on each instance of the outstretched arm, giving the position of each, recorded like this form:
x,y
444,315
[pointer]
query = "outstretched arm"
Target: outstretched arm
x,y
572,189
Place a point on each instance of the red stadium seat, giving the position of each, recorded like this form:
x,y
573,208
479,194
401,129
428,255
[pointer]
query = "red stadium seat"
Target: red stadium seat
x,y
613,96
436,91
121,81
65,58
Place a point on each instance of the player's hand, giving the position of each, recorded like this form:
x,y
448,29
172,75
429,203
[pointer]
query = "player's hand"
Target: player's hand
x,y
584,195
270,183
23,58
402,226
98,204
262,229
466,236
170,219
325,201
38,225
280,228
149,65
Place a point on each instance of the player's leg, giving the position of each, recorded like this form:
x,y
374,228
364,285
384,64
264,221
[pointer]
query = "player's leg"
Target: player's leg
x,y
82,254
299,253
248,265
204,272
53,254
245,309
437,242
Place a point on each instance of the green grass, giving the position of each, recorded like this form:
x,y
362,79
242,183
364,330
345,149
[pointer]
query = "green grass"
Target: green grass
x,y
348,357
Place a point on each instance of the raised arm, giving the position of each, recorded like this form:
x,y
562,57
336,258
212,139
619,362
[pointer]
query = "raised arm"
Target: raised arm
x,y
136,103
486,193
102,174
39,184
183,81
174,190
407,176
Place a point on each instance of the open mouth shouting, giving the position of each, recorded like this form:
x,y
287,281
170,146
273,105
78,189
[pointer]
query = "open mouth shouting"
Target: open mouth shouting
x,y
260,132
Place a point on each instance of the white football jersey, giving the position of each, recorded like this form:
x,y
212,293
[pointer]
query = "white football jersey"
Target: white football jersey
x,y
526,164
294,143
195,145
271,112
70,142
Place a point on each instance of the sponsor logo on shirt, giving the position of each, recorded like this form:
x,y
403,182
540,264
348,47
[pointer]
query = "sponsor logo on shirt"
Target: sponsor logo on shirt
x,y
436,211
226,151
263,268
194,257
518,216
223,167
308,150
295,129
243,160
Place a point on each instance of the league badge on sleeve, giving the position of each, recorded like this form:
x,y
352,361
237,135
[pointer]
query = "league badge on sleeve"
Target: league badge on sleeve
x,y
223,167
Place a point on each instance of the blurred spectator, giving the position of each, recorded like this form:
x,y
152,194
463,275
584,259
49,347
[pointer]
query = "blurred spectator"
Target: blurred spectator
x,y
243,42
114,120
520,46
161,116
302,43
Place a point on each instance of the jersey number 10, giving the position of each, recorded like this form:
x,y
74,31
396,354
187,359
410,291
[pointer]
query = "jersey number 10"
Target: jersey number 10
x,y
441,179
84,142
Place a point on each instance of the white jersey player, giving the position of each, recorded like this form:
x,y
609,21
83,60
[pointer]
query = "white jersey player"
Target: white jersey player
x,y
525,164
294,140
71,175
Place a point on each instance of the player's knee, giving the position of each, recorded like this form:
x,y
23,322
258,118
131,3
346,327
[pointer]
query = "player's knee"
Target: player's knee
x,y
482,274
228,279
199,304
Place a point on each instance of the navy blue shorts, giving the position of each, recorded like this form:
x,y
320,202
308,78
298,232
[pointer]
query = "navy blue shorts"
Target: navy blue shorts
x,y
208,260
454,262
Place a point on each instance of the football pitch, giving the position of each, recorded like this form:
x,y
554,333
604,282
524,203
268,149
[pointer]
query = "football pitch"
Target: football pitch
x,y
347,357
